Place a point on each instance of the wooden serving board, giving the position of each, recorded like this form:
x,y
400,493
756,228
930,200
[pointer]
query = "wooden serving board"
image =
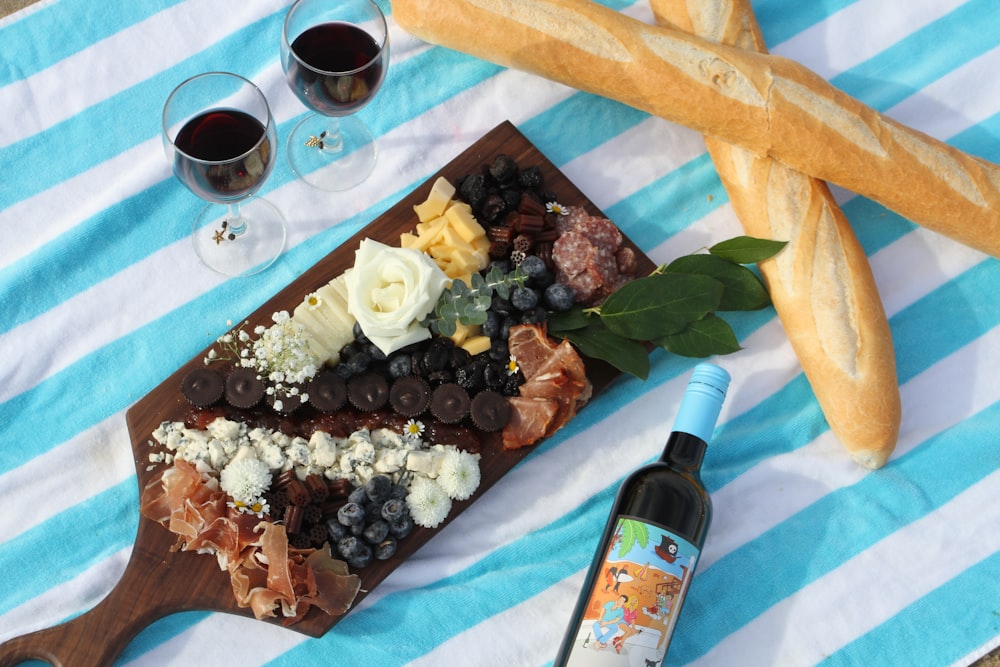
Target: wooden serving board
x,y
158,581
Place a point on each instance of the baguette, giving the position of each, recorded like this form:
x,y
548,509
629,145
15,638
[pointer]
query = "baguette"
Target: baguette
x,y
769,105
821,283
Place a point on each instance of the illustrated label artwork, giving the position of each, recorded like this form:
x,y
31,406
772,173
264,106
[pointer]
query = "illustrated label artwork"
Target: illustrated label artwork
x,y
636,598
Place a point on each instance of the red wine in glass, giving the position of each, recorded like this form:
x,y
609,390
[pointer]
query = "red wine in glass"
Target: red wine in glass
x,y
231,154
335,54
339,67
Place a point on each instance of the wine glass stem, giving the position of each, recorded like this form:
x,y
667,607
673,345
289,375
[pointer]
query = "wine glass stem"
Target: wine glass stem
x,y
332,142
235,221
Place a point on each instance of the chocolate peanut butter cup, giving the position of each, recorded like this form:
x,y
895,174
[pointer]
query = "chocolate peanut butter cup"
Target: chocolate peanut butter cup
x,y
243,388
450,403
410,396
490,411
368,391
327,391
203,387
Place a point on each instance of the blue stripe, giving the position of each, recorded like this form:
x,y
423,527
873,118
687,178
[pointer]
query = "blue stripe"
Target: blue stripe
x,y
82,535
969,31
947,607
780,21
21,39
836,527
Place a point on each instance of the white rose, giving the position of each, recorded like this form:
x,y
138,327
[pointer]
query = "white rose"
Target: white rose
x,y
390,291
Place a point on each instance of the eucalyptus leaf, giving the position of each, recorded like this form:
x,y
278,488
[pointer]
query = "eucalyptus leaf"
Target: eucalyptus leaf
x,y
747,249
708,336
744,290
597,342
661,304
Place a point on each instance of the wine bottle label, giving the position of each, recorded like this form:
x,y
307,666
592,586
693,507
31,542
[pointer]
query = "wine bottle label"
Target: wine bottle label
x,y
636,597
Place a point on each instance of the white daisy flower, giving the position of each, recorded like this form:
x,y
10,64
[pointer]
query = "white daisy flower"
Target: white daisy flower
x,y
459,475
429,504
245,480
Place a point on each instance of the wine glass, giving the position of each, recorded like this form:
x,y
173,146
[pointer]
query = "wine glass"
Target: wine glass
x,y
219,133
334,54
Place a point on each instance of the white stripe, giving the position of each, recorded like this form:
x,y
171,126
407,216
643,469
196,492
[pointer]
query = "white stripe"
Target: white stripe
x,y
94,455
166,38
851,35
849,610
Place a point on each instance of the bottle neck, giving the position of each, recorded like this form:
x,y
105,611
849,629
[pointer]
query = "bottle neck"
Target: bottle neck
x,y
684,451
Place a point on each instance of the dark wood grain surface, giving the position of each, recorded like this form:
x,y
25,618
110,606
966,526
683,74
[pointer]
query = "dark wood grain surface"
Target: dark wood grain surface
x,y
159,581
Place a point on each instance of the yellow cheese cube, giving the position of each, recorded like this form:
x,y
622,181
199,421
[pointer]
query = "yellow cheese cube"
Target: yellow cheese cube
x,y
462,220
463,332
408,240
476,344
437,200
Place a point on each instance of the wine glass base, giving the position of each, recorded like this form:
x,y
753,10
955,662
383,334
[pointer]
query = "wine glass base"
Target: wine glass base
x,y
223,248
330,168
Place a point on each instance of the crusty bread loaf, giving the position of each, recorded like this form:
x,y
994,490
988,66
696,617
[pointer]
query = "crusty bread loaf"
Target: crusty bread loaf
x,y
821,283
769,105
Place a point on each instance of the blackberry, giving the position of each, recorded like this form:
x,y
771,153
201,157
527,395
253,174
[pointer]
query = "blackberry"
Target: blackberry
x,y
459,357
469,377
524,298
377,488
494,376
503,169
559,297
511,199
376,531
473,189
385,549
438,378
351,514
530,178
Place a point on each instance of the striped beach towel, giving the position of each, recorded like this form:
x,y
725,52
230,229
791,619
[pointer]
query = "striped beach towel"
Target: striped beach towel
x,y
810,559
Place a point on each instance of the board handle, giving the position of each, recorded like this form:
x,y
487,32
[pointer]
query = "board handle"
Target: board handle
x,y
93,639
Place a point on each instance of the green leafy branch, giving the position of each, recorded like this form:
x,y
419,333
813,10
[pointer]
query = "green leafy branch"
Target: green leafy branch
x,y
468,305
675,308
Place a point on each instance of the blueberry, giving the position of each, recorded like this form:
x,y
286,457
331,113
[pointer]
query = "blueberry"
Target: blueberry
x,y
502,264
362,558
501,306
534,266
376,531
491,327
351,514
373,512
499,350
350,546
393,510
358,362
400,365
559,297
536,315
524,298
359,335
505,326
378,488
437,355
402,528
359,495
343,371
385,549
398,492
337,530
374,352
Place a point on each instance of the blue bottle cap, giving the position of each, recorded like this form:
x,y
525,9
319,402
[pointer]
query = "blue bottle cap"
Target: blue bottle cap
x,y
702,401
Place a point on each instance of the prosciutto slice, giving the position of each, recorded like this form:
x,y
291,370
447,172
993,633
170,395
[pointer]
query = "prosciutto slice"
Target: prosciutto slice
x,y
267,575
555,387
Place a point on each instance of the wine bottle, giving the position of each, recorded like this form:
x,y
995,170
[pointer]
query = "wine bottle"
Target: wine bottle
x,y
636,584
